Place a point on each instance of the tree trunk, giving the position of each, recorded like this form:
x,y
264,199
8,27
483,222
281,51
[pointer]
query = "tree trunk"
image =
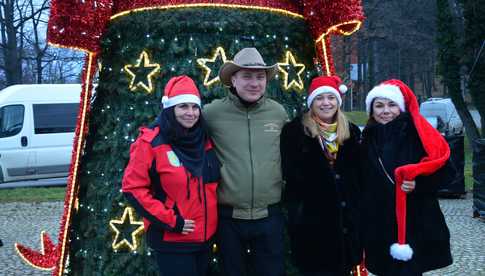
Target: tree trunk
x,y
13,65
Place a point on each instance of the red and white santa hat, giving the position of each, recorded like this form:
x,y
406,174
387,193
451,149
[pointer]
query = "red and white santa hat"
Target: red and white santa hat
x,y
435,146
180,89
388,91
326,84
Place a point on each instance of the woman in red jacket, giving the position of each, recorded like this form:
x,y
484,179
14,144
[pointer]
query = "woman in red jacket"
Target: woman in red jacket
x,y
171,181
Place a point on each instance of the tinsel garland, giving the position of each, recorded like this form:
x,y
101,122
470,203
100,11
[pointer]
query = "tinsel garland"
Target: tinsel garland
x,y
80,24
51,255
89,71
46,259
322,15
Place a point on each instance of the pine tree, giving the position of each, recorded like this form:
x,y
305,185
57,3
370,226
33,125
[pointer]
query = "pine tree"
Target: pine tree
x,y
474,52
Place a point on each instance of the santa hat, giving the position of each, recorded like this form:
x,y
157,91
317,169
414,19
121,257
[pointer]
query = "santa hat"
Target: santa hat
x,y
387,91
326,84
436,149
181,89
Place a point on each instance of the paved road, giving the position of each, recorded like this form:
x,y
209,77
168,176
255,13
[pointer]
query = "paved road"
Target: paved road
x,y
23,222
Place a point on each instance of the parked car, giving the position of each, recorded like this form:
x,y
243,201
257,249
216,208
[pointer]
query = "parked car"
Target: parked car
x,y
37,124
441,113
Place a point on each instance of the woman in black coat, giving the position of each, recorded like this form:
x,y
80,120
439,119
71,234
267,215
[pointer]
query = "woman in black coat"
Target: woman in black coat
x,y
400,186
320,165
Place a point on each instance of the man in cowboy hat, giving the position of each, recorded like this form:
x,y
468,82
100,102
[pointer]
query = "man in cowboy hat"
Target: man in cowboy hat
x,y
245,127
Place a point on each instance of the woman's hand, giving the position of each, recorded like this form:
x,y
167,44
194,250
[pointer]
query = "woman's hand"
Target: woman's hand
x,y
408,186
189,226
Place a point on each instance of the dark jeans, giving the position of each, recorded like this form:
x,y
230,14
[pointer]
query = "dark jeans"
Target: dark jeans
x,y
182,264
263,238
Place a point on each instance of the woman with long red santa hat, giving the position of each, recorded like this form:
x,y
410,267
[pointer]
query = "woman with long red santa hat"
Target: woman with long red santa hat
x,y
405,233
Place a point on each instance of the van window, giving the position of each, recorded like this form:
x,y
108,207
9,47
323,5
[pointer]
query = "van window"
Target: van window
x,y
55,118
11,120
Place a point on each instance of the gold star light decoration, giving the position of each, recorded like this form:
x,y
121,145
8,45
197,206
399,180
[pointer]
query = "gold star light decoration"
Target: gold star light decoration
x,y
212,65
292,72
126,230
141,74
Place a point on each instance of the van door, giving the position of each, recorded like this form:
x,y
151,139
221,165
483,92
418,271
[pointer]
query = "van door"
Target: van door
x,y
16,156
54,125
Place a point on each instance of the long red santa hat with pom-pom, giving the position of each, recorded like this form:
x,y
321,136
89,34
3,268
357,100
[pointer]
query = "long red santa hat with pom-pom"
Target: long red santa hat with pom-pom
x,y
435,146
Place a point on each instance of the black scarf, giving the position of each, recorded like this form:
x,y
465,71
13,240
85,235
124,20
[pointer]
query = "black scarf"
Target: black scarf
x,y
396,142
188,144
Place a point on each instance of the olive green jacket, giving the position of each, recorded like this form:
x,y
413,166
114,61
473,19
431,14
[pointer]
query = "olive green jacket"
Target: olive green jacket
x,y
247,142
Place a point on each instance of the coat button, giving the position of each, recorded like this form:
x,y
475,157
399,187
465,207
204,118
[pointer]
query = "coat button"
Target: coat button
x,y
343,203
337,176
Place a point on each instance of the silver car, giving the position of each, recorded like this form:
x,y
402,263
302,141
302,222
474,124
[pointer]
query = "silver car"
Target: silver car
x,y
441,114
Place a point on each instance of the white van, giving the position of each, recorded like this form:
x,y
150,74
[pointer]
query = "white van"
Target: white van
x,y
442,114
37,124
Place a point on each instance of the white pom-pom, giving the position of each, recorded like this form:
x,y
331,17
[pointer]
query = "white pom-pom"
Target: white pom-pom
x,y
164,100
402,252
342,88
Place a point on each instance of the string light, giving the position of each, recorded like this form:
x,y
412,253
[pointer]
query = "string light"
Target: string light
x,y
117,241
337,28
218,54
154,68
208,5
290,62
323,41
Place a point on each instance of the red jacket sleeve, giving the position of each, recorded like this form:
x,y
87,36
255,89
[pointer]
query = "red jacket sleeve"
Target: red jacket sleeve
x,y
136,186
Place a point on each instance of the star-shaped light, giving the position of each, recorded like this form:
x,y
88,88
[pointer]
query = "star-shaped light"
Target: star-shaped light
x,y
292,72
127,224
216,62
142,73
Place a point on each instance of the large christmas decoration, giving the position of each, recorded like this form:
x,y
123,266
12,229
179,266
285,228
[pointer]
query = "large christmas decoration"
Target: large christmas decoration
x,y
139,45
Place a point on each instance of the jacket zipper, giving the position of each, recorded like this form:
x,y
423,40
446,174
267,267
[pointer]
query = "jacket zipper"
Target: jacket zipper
x,y
251,160
205,210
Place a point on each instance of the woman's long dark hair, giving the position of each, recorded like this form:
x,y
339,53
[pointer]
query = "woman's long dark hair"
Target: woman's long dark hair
x,y
173,130
188,144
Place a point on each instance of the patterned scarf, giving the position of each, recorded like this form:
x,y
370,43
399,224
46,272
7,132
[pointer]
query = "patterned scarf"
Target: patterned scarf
x,y
327,137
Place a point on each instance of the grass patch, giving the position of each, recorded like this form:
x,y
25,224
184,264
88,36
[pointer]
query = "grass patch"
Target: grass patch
x,y
357,117
35,194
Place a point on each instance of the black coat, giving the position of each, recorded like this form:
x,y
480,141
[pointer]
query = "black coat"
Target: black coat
x,y
322,201
398,143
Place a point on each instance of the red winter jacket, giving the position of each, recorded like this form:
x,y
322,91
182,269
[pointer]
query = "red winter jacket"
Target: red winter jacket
x,y
164,193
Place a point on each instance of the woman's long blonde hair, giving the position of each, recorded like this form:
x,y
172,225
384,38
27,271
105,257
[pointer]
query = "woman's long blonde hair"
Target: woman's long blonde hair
x,y
343,130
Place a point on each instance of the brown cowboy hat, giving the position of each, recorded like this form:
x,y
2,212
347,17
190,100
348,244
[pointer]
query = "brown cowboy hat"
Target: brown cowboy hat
x,y
247,58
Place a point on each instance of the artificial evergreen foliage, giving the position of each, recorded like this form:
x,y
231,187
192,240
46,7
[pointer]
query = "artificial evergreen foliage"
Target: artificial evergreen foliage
x,y
175,39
